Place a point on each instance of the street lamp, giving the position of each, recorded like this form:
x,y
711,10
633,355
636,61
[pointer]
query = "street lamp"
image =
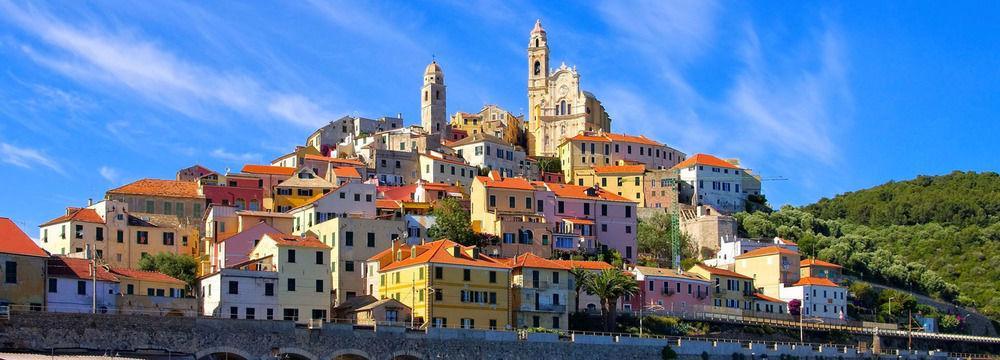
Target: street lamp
x,y
801,321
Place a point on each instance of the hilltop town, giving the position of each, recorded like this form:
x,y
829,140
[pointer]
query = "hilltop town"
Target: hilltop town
x,y
476,220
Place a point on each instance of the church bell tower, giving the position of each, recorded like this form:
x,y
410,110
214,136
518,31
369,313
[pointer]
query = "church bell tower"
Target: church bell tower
x,y
432,101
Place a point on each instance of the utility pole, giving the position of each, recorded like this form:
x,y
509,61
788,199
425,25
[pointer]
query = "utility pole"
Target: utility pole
x,y
909,328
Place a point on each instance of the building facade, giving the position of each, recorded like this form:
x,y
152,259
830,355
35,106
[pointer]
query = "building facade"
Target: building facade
x,y
22,268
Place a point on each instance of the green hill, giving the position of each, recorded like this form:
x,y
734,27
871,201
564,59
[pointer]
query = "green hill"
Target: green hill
x,y
938,235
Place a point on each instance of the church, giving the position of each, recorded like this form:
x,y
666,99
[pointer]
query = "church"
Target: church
x,y
558,107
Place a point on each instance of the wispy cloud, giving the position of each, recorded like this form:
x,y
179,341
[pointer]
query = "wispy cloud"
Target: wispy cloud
x,y
110,174
27,158
239,158
125,59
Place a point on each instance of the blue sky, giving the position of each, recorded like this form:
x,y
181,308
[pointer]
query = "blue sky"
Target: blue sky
x,y
833,97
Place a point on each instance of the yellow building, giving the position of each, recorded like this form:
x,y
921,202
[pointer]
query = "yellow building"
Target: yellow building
x,y
732,293
490,120
303,268
354,240
506,208
22,268
299,189
625,180
771,267
600,148
446,284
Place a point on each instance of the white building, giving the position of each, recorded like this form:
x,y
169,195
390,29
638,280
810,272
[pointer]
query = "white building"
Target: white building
x,y
240,294
708,180
70,286
352,199
820,298
490,152
436,168
731,247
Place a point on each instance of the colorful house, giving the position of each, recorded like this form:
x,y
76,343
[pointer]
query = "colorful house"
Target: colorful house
x,y
22,268
625,180
819,297
234,249
732,293
303,267
509,209
440,168
72,283
244,191
591,219
542,292
669,290
446,284
353,241
821,269
771,267
353,199
591,148
148,292
585,301
709,180
166,197
299,189
242,292
271,176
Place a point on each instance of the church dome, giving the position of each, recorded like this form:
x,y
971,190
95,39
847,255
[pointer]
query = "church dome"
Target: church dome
x,y
433,68
538,27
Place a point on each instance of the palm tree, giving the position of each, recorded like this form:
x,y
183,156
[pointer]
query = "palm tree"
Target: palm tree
x,y
581,277
609,285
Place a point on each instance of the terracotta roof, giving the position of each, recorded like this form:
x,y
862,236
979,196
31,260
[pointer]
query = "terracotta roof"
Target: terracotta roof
x,y
14,241
786,242
147,276
641,139
268,170
475,138
586,137
441,159
334,160
767,298
514,183
817,262
534,261
161,188
580,221
347,171
764,251
584,264
77,214
316,183
580,192
620,169
387,204
264,213
438,252
661,272
61,266
722,272
818,281
705,159
292,240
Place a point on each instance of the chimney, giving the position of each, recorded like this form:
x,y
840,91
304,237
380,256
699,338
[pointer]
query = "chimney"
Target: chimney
x,y
699,210
413,251
90,202
475,253
399,115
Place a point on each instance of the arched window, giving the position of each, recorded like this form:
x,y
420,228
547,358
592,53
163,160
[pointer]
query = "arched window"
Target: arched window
x,y
538,67
437,95
426,95
562,107
538,42
240,204
253,205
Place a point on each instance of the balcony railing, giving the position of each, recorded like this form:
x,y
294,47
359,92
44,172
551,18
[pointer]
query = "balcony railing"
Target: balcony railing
x,y
557,308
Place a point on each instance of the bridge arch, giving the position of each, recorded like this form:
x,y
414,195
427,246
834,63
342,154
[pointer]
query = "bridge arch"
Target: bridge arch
x,y
406,355
351,354
295,353
222,353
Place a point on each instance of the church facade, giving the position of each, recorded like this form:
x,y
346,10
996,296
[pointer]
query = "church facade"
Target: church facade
x,y
558,108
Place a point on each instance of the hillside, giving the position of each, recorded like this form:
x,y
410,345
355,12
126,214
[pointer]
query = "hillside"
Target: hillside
x,y
938,235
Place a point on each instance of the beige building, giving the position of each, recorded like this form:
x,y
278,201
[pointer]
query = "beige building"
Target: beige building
x,y
491,120
505,207
354,240
542,292
22,268
706,227
436,167
433,101
732,293
168,197
558,108
771,267
600,148
625,180
489,152
303,268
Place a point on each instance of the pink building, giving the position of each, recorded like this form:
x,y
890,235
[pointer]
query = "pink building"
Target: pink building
x,y
589,219
235,249
668,290
244,191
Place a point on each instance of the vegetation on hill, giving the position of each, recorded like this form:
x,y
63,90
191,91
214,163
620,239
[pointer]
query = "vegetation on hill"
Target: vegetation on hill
x,y
179,266
938,235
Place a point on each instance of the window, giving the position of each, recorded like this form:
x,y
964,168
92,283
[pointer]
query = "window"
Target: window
x,y
349,238
439,273
142,237
466,275
527,203
79,232
561,207
493,277
541,206
120,236
81,287
150,207
234,312
53,285
270,314
371,240
10,276
291,314
604,227
586,208
234,287
628,211
555,322
349,266
493,201
251,313
130,290
291,255
290,285
438,295
268,289
319,286
511,202
555,277
168,238
99,234
628,229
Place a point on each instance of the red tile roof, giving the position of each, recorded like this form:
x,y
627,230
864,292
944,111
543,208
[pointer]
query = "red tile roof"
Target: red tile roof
x,y
705,159
661,272
14,241
268,170
438,252
61,266
387,204
641,139
767,298
620,169
76,214
585,137
147,276
292,240
161,188
818,281
769,250
530,260
584,264
334,160
580,221
580,192
817,262
514,183
722,272
347,171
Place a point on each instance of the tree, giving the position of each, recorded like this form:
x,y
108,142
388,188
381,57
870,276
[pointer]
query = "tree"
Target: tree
x,y
581,276
548,164
609,285
180,266
451,221
654,238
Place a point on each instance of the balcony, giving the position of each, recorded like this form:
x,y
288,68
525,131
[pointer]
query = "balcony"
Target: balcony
x,y
553,308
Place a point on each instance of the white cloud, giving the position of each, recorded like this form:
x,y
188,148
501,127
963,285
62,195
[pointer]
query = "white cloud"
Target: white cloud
x,y
680,30
110,174
27,158
246,157
96,55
